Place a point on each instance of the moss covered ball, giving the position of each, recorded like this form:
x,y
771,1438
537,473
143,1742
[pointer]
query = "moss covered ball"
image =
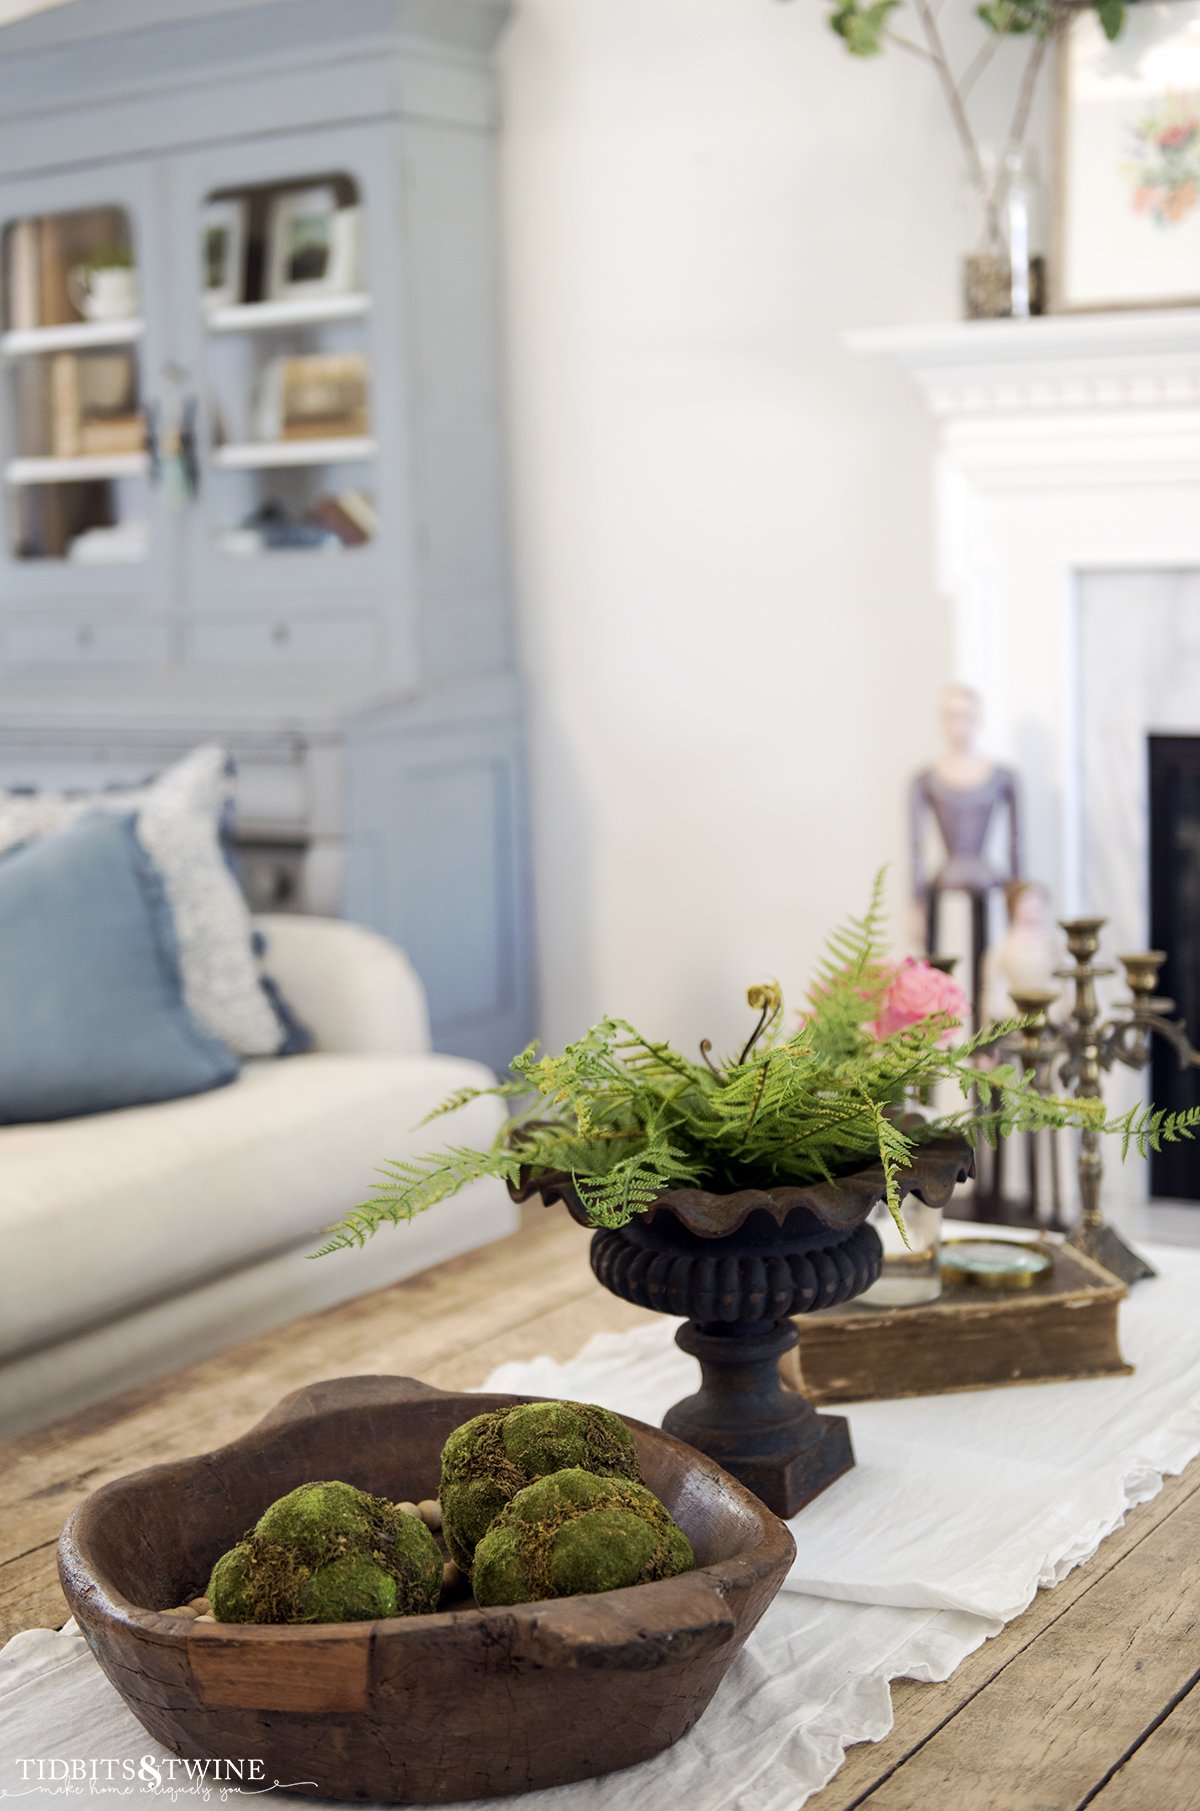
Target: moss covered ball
x,y
575,1532
487,1460
328,1553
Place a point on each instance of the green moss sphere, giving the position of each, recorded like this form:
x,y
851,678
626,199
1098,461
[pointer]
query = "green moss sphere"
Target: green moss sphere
x,y
574,1532
487,1460
328,1553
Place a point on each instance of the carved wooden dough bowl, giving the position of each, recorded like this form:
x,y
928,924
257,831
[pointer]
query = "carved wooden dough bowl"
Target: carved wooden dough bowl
x,y
463,1704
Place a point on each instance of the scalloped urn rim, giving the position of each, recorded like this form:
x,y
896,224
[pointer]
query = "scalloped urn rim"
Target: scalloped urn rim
x,y
842,1204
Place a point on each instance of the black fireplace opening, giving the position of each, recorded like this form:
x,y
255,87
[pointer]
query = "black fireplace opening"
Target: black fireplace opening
x,y
1175,927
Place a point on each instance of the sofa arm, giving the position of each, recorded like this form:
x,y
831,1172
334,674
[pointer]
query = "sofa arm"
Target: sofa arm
x,y
357,993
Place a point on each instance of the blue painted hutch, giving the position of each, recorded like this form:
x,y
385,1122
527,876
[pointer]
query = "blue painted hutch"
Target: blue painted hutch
x,y
251,444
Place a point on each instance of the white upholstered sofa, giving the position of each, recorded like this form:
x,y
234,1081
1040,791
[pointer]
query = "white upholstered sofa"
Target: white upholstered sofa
x,y
134,1242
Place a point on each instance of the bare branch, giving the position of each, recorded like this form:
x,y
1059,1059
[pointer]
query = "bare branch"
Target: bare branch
x,y
978,64
1024,106
958,113
1029,80
916,50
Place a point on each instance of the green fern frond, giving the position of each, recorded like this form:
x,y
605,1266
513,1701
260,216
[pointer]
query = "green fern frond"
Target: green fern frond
x,y
628,1188
991,1034
461,1097
411,1188
1149,1128
895,1154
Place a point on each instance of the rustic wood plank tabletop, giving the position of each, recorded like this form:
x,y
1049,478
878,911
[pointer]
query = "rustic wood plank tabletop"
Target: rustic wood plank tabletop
x,y
1091,1698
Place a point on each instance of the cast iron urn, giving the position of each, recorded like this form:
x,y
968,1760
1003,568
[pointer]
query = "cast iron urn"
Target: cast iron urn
x,y
738,1266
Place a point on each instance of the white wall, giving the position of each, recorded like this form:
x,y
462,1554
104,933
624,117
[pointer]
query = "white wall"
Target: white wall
x,y
722,518
17,9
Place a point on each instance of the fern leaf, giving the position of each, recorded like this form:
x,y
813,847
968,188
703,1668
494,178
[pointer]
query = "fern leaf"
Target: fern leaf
x,y
462,1096
411,1188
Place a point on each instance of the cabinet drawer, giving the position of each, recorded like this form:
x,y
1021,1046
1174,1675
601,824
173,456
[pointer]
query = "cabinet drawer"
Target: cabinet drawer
x,y
324,641
87,640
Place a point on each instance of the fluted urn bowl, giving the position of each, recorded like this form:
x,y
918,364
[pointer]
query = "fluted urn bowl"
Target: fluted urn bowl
x,y
737,1265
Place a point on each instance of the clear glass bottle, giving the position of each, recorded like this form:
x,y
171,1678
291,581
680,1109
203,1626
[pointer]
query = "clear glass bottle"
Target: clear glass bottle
x,y
1004,272
911,1273
1022,214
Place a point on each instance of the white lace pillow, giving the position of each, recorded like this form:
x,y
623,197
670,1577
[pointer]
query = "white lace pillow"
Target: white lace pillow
x,y
179,823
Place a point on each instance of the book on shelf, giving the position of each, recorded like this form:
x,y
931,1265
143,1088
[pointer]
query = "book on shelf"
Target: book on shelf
x,y
312,394
361,510
328,427
66,410
330,513
101,434
23,302
54,305
323,395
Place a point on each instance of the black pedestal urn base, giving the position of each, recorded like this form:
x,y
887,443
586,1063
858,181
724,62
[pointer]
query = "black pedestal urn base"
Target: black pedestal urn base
x,y
739,1293
772,1439
738,1266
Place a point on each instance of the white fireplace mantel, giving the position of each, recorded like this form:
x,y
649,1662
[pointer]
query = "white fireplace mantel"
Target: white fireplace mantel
x,y
1067,456
1060,363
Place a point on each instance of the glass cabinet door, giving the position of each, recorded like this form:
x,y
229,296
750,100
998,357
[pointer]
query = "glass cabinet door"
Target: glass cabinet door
x,y
292,409
80,362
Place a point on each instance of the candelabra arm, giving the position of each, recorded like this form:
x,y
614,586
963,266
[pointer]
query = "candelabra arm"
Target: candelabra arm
x,y
1124,1041
1175,1032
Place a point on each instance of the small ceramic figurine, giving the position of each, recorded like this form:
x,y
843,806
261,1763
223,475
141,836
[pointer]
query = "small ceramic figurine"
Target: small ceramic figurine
x,y
1027,955
963,792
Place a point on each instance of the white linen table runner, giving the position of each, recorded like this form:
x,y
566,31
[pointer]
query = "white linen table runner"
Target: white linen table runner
x,y
960,1508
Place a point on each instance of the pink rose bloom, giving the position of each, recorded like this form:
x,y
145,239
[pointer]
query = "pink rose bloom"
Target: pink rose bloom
x,y
917,991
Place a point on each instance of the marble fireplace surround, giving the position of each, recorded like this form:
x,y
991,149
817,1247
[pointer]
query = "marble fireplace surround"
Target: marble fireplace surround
x,y
1066,519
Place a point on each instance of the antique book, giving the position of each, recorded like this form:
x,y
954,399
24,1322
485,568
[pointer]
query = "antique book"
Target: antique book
x,y
65,409
359,507
24,267
324,394
970,1339
54,305
330,513
99,434
327,427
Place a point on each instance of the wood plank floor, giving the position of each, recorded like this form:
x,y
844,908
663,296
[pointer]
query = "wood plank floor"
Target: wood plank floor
x,y
1091,1698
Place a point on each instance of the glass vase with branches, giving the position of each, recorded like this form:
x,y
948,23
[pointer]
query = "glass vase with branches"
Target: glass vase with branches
x,y
1003,276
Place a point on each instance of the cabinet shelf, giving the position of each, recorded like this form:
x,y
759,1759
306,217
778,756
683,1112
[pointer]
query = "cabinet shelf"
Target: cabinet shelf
x,y
76,470
257,317
263,455
71,336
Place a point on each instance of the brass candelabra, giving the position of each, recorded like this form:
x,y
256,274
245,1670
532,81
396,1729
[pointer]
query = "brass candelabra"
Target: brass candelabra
x,y
1082,1048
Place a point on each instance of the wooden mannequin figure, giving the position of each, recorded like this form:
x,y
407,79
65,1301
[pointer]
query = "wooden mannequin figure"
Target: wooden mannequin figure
x,y
963,792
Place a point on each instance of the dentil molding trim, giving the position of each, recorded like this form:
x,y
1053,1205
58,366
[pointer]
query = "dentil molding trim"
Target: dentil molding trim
x,y
1053,365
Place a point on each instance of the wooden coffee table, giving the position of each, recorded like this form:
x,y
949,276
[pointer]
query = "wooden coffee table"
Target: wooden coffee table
x,y
1091,1698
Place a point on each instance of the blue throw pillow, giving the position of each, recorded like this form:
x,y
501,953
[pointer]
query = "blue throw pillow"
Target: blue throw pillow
x,y
92,1014
185,821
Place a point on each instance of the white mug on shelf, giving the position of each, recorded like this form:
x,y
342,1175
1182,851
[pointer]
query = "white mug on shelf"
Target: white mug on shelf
x,y
107,293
